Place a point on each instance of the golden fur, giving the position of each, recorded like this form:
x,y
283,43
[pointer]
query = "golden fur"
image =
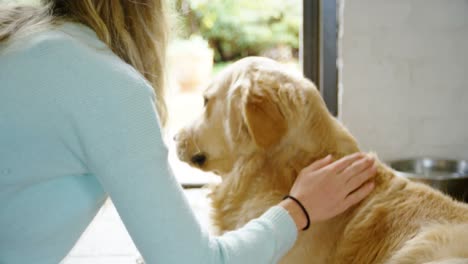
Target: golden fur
x,y
262,124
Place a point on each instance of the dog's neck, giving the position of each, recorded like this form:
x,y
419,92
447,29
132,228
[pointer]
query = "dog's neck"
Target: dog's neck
x,y
329,138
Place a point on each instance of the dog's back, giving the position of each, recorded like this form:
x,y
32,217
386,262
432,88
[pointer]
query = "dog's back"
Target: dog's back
x,y
404,221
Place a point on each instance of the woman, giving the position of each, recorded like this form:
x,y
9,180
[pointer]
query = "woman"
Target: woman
x,y
80,98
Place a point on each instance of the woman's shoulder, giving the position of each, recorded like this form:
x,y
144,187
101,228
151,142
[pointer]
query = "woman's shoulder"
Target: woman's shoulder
x,y
74,51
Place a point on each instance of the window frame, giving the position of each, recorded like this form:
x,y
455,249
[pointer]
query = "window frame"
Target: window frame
x,y
319,50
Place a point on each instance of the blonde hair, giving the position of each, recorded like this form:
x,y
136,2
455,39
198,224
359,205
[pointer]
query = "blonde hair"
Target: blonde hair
x,y
136,31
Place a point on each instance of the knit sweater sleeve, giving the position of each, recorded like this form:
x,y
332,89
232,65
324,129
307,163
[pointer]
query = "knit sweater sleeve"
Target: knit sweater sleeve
x,y
115,119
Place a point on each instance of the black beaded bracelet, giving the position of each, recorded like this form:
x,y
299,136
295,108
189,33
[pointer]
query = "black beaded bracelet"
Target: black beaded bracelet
x,y
303,209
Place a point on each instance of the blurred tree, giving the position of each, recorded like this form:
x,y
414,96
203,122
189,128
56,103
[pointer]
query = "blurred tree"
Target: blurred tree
x,y
238,28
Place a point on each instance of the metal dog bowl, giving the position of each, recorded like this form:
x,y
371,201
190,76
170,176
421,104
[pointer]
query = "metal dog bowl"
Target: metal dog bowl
x,y
449,176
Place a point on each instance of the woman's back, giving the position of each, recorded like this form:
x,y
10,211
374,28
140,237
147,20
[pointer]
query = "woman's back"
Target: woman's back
x,y
50,82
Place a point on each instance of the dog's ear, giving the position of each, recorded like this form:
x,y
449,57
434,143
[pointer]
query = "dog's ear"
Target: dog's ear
x,y
264,119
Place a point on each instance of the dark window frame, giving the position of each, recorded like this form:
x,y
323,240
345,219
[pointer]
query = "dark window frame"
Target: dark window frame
x,y
319,50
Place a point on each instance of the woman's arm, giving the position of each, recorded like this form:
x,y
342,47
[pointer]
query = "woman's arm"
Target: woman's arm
x,y
124,149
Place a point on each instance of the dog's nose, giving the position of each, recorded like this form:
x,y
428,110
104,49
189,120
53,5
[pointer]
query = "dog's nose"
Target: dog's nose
x,y
199,159
175,137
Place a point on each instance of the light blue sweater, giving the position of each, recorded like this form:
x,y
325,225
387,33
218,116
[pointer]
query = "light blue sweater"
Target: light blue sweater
x,y
78,124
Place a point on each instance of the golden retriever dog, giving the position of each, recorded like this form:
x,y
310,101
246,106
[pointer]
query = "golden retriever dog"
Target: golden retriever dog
x,y
262,124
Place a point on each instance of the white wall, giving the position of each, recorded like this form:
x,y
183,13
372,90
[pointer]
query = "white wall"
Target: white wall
x,y
405,76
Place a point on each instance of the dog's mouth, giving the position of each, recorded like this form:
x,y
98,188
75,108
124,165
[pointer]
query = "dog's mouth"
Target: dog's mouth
x,y
189,152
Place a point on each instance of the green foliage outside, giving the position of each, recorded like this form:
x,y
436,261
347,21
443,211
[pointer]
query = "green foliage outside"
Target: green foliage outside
x,y
238,28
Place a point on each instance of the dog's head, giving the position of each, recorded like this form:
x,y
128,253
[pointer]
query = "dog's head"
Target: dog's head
x,y
255,106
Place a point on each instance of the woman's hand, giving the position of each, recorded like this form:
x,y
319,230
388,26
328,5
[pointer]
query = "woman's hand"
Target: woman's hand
x,y
328,188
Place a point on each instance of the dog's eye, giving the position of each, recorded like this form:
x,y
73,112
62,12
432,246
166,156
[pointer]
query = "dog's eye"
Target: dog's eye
x,y
205,100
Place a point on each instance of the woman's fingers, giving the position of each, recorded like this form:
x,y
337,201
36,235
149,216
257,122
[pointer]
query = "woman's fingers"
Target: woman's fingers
x,y
344,162
319,163
356,168
361,178
356,196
